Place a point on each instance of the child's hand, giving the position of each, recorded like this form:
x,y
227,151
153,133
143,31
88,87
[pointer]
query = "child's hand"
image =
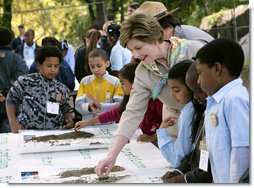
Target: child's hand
x,y
169,121
95,106
169,175
80,124
16,126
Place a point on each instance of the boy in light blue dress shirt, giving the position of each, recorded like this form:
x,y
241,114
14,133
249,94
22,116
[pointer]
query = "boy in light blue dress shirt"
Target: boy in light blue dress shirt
x,y
219,65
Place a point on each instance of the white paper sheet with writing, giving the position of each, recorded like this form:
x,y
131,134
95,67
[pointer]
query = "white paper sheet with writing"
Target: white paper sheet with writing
x,y
143,162
9,158
99,140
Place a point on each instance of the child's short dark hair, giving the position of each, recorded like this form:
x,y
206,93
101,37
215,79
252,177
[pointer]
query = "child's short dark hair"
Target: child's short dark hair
x,y
224,51
97,52
51,41
47,51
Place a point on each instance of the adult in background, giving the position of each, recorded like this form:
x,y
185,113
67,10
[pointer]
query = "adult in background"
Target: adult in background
x,y
28,49
68,54
171,25
143,36
82,69
11,67
19,39
119,55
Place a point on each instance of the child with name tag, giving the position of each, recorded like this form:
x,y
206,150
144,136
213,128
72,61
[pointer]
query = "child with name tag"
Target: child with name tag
x,y
191,169
100,91
219,65
37,100
187,124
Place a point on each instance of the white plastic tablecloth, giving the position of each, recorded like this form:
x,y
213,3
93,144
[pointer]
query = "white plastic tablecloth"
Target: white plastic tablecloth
x,y
143,161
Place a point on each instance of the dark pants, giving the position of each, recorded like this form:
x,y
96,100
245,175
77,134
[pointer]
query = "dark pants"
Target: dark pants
x,y
4,125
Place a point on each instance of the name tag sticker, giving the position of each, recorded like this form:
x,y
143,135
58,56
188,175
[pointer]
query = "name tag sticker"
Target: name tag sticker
x,y
52,107
203,162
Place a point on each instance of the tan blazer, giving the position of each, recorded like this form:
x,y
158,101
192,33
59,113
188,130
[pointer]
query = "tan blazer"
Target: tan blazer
x,y
144,83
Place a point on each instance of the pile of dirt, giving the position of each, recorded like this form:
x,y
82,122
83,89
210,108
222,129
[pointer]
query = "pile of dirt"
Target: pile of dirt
x,y
65,136
85,171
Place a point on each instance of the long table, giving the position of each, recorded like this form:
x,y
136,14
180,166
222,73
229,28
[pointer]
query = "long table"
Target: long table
x,y
142,162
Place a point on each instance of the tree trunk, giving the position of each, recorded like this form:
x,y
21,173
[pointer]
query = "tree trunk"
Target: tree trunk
x,y
90,9
100,12
114,7
7,16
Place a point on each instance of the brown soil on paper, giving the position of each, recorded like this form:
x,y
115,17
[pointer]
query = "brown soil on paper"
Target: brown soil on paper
x,y
85,171
65,136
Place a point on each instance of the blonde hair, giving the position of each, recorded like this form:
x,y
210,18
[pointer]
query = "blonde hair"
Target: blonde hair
x,y
141,27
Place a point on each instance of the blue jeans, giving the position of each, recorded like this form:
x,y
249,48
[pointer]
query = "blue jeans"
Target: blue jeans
x,y
4,125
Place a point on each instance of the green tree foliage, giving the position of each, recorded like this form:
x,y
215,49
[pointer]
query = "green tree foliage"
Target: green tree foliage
x,y
6,16
71,18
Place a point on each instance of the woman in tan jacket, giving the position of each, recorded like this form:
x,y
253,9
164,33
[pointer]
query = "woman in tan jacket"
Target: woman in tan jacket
x,y
143,36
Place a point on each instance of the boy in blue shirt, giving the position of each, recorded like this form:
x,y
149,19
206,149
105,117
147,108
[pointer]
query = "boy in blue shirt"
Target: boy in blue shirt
x,y
219,65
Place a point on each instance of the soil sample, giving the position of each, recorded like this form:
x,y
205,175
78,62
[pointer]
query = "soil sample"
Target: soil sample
x,y
85,171
65,136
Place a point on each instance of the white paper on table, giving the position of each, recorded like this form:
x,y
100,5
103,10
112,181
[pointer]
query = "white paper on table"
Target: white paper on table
x,y
53,175
151,175
98,141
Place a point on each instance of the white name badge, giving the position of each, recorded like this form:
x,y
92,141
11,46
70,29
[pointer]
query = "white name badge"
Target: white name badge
x,y
203,161
52,107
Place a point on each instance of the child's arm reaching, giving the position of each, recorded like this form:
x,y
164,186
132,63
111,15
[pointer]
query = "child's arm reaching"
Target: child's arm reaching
x,y
85,123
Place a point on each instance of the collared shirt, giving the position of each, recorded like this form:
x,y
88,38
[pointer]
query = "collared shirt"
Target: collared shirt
x,y
30,94
119,56
226,127
29,54
174,151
